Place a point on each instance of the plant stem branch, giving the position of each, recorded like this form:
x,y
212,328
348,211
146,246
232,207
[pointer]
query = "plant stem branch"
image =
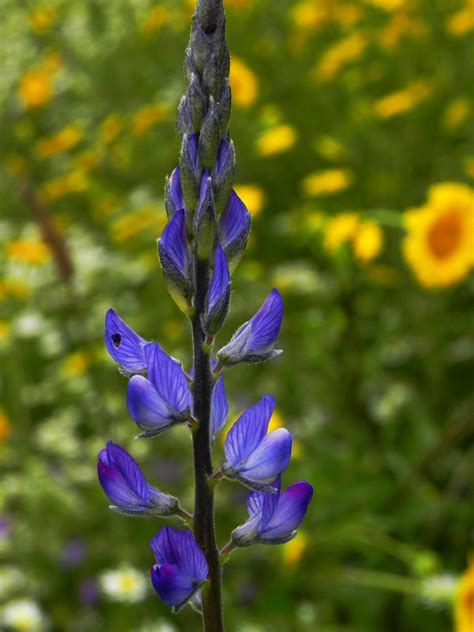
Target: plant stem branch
x,y
204,527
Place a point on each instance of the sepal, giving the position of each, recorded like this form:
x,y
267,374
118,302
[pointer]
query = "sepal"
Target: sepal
x,y
224,173
174,200
209,136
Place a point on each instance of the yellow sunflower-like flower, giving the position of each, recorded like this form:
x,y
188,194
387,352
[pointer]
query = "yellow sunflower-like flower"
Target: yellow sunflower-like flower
x,y
439,246
464,602
244,83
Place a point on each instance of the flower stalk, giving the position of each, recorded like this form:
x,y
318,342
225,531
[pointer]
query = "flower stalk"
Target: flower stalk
x,y
200,247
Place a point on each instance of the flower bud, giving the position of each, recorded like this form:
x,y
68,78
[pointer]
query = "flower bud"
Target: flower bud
x,y
190,173
217,303
174,200
174,257
209,137
205,225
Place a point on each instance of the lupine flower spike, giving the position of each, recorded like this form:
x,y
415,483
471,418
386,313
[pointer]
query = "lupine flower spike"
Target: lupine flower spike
x,y
206,235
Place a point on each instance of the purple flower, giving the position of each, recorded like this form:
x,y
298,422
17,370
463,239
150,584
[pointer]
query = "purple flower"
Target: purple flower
x,y
219,408
124,345
254,341
174,258
274,518
234,229
218,298
126,488
180,568
174,194
73,553
254,457
162,400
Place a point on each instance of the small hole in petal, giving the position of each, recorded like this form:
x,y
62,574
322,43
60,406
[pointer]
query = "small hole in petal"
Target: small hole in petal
x,y
116,339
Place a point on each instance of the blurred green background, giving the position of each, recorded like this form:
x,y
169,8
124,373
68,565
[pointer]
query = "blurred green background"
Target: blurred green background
x,y
347,113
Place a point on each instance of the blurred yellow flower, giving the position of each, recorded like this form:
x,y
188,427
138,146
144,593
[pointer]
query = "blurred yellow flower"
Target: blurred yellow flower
x,y
36,85
339,230
14,288
327,182
367,241
276,140
402,100
339,54
149,218
28,251
244,83
155,19
75,364
462,22
148,116
464,601
42,19
308,14
294,550
65,139
73,182
387,5
110,128
5,426
456,113
4,329
276,421
399,26
439,246
252,196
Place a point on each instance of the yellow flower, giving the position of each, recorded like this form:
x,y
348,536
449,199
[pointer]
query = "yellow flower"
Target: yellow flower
x,y
28,251
387,5
276,140
463,21
149,218
5,426
339,230
309,15
4,329
464,602
294,550
110,128
402,100
148,116
36,85
439,245
14,288
63,140
244,83
327,182
339,54
252,196
155,19
75,364
367,241
73,182
399,26
456,113
42,19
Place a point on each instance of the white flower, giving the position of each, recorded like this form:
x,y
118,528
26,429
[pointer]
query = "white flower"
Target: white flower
x,y
23,615
124,584
438,589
